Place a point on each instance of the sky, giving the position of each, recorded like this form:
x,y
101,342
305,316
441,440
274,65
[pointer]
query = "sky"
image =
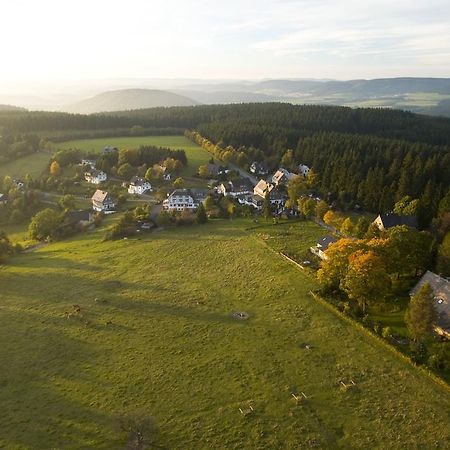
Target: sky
x,y
77,40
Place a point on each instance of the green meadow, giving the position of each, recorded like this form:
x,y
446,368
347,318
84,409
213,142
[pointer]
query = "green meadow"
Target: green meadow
x,y
195,154
156,335
34,164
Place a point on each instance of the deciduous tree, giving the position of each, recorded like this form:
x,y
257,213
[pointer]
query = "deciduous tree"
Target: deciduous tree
x,y
366,281
45,224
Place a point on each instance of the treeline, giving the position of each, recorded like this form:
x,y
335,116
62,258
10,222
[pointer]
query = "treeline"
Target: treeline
x,y
17,146
262,125
375,173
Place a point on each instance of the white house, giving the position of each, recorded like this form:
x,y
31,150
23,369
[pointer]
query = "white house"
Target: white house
x,y
258,168
234,188
179,199
322,246
139,185
18,184
102,202
282,176
166,175
95,176
251,200
303,170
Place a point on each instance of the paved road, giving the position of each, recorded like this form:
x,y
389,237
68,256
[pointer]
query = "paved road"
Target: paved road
x,y
244,174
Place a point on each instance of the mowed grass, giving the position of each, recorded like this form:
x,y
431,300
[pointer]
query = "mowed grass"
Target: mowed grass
x,y
173,351
34,164
195,154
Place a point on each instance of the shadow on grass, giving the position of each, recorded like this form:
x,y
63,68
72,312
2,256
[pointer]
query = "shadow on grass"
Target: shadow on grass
x,y
41,378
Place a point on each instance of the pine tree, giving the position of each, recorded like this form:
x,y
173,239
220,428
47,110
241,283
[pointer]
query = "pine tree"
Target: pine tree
x,y
201,214
267,207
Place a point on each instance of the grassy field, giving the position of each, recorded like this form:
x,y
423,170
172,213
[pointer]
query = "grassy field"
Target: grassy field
x,y
158,336
196,155
33,164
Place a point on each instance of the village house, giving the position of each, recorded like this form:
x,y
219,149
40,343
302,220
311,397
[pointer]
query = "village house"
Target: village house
x,y
3,199
389,220
262,187
163,172
79,218
139,185
282,176
277,199
103,202
441,291
259,168
181,199
242,186
321,246
94,176
251,200
18,184
303,170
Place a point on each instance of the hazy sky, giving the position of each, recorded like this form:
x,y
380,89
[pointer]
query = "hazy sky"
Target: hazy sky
x,y
96,39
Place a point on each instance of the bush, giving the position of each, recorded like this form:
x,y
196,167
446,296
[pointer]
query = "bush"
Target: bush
x,y
386,332
439,356
45,224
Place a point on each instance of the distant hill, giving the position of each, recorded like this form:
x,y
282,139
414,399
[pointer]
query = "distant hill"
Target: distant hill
x,y
423,95
127,99
11,108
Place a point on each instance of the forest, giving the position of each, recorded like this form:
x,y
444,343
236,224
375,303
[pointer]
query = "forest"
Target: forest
x,y
365,157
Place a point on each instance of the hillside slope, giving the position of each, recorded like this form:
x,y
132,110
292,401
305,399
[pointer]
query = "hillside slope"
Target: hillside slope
x,y
157,336
11,108
126,99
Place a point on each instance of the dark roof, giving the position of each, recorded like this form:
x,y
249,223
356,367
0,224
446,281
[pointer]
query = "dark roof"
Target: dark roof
x,y
110,149
441,291
243,183
324,242
393,220
182,192
78,216
138,181
213,169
